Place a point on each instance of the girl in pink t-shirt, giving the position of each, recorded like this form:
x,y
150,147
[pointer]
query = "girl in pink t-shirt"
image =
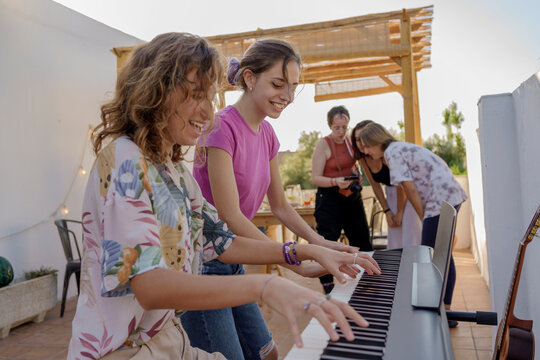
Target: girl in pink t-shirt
x,y
241,167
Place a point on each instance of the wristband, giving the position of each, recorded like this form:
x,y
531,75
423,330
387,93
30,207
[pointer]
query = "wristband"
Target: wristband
x,y
387,210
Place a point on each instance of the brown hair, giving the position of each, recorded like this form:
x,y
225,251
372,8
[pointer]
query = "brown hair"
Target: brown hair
x,y
261,56
375,134
357,153
335,111
145,89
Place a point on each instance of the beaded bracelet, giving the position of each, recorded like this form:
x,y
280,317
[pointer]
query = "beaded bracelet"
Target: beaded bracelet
x,y
286,255
289,253
296,262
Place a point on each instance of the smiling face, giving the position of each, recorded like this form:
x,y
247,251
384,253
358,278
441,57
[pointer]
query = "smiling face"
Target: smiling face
x,y
270,90
188,119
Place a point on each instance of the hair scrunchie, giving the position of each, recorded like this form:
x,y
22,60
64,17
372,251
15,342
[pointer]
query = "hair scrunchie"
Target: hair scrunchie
x,y
232,71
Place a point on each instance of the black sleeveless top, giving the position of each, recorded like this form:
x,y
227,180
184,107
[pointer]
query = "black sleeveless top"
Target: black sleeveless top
x,y
383,176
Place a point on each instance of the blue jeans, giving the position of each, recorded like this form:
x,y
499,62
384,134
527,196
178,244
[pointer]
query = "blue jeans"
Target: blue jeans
x,y
238,333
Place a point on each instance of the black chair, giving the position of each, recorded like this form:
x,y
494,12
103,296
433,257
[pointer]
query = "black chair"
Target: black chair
x,y
73,265
376,222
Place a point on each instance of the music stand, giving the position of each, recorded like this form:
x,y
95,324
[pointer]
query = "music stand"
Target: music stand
x,y
429,279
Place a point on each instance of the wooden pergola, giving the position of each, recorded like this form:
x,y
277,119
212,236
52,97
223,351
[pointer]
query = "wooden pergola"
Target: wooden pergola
x,y
352,57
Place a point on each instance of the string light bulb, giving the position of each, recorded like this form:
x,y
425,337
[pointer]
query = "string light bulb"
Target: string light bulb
x,y
82,171
64,210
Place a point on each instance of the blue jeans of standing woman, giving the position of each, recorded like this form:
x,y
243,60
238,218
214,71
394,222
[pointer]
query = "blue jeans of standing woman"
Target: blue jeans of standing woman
x,y
429,235
238,333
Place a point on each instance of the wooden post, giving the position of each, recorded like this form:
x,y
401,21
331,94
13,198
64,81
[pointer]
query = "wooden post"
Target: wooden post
x,y
221,99
408,83
122,56
417,132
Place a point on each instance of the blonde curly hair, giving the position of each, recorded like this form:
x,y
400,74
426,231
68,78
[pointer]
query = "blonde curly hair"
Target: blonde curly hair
x,y
145,91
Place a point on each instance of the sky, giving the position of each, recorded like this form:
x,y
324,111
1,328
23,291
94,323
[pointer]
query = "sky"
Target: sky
x,y
480,47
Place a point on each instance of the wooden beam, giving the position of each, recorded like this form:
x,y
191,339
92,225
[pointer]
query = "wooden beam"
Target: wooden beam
x,y
412,126
390,83
355,63
345,74
356,93
351,70
347,51
417,132
352,75
221,99
122,56
325,25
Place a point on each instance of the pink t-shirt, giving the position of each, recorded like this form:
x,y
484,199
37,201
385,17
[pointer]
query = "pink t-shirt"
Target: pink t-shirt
x,y
251,153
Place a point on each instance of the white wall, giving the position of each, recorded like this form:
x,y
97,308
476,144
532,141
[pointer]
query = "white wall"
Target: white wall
x,y
56,69
509,142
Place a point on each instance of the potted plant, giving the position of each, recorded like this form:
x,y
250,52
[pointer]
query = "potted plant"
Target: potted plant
x,y
27,299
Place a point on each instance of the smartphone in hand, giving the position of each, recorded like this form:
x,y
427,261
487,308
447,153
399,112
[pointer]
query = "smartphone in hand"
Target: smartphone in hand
x,y
351,177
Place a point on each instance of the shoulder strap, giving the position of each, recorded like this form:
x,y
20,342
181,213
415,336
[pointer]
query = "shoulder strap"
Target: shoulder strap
x,y
349,146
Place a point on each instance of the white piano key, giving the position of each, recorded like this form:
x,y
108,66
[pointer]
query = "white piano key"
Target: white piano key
x,y
314,337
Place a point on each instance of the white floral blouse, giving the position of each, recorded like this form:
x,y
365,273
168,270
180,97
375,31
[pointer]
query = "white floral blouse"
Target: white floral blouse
x,y
137,216
432,177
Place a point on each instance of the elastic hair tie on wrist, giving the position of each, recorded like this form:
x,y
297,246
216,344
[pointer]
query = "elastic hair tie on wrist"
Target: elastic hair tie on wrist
x,y
387,210
264,286
232,71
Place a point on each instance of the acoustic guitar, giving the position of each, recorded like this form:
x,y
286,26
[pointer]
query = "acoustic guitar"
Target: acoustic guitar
x,y
515,338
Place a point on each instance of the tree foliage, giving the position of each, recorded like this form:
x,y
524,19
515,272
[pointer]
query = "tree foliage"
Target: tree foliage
x,y
295,168
451,148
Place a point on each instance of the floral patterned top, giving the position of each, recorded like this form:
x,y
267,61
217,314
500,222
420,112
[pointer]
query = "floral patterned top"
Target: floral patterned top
x,y
432,177
137,216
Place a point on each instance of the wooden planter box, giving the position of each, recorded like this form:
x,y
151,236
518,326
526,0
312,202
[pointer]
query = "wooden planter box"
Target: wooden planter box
x,y
28,300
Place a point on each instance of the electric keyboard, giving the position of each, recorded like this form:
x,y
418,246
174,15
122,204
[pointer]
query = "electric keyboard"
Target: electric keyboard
x,y
397,330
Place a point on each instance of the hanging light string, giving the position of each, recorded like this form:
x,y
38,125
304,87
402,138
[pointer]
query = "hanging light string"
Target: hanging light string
x,y
62,208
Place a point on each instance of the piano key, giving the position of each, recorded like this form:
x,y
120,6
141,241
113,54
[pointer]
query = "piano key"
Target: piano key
x,y
396,331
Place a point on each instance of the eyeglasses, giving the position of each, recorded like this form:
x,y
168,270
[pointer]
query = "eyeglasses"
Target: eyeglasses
x,y
337,128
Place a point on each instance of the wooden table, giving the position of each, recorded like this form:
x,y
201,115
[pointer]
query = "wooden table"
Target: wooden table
x,y
267,219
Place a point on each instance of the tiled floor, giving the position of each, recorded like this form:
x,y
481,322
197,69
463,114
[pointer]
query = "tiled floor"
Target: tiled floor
x,y
470,341
49,339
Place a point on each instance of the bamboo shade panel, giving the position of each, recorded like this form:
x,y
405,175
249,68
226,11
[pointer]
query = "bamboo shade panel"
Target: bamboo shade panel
x,y
351,52
350,49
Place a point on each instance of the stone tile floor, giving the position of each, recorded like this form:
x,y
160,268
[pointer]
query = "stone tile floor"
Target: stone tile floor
x,y
49,339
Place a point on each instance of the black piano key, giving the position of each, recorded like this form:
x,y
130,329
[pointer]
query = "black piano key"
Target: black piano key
x,y
369,330
356,345
365,336
346,353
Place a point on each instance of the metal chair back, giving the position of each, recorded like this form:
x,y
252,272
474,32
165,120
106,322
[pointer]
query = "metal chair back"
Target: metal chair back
x,y
67,237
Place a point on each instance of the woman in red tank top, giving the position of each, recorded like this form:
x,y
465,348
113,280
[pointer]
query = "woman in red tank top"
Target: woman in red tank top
x,y
338,204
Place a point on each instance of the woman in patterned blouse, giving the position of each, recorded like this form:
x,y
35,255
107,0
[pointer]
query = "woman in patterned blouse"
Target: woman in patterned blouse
x,y
147,228
425,178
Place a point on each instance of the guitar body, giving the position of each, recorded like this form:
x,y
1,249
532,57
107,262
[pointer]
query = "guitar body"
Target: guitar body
x,y
520,345
515,338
